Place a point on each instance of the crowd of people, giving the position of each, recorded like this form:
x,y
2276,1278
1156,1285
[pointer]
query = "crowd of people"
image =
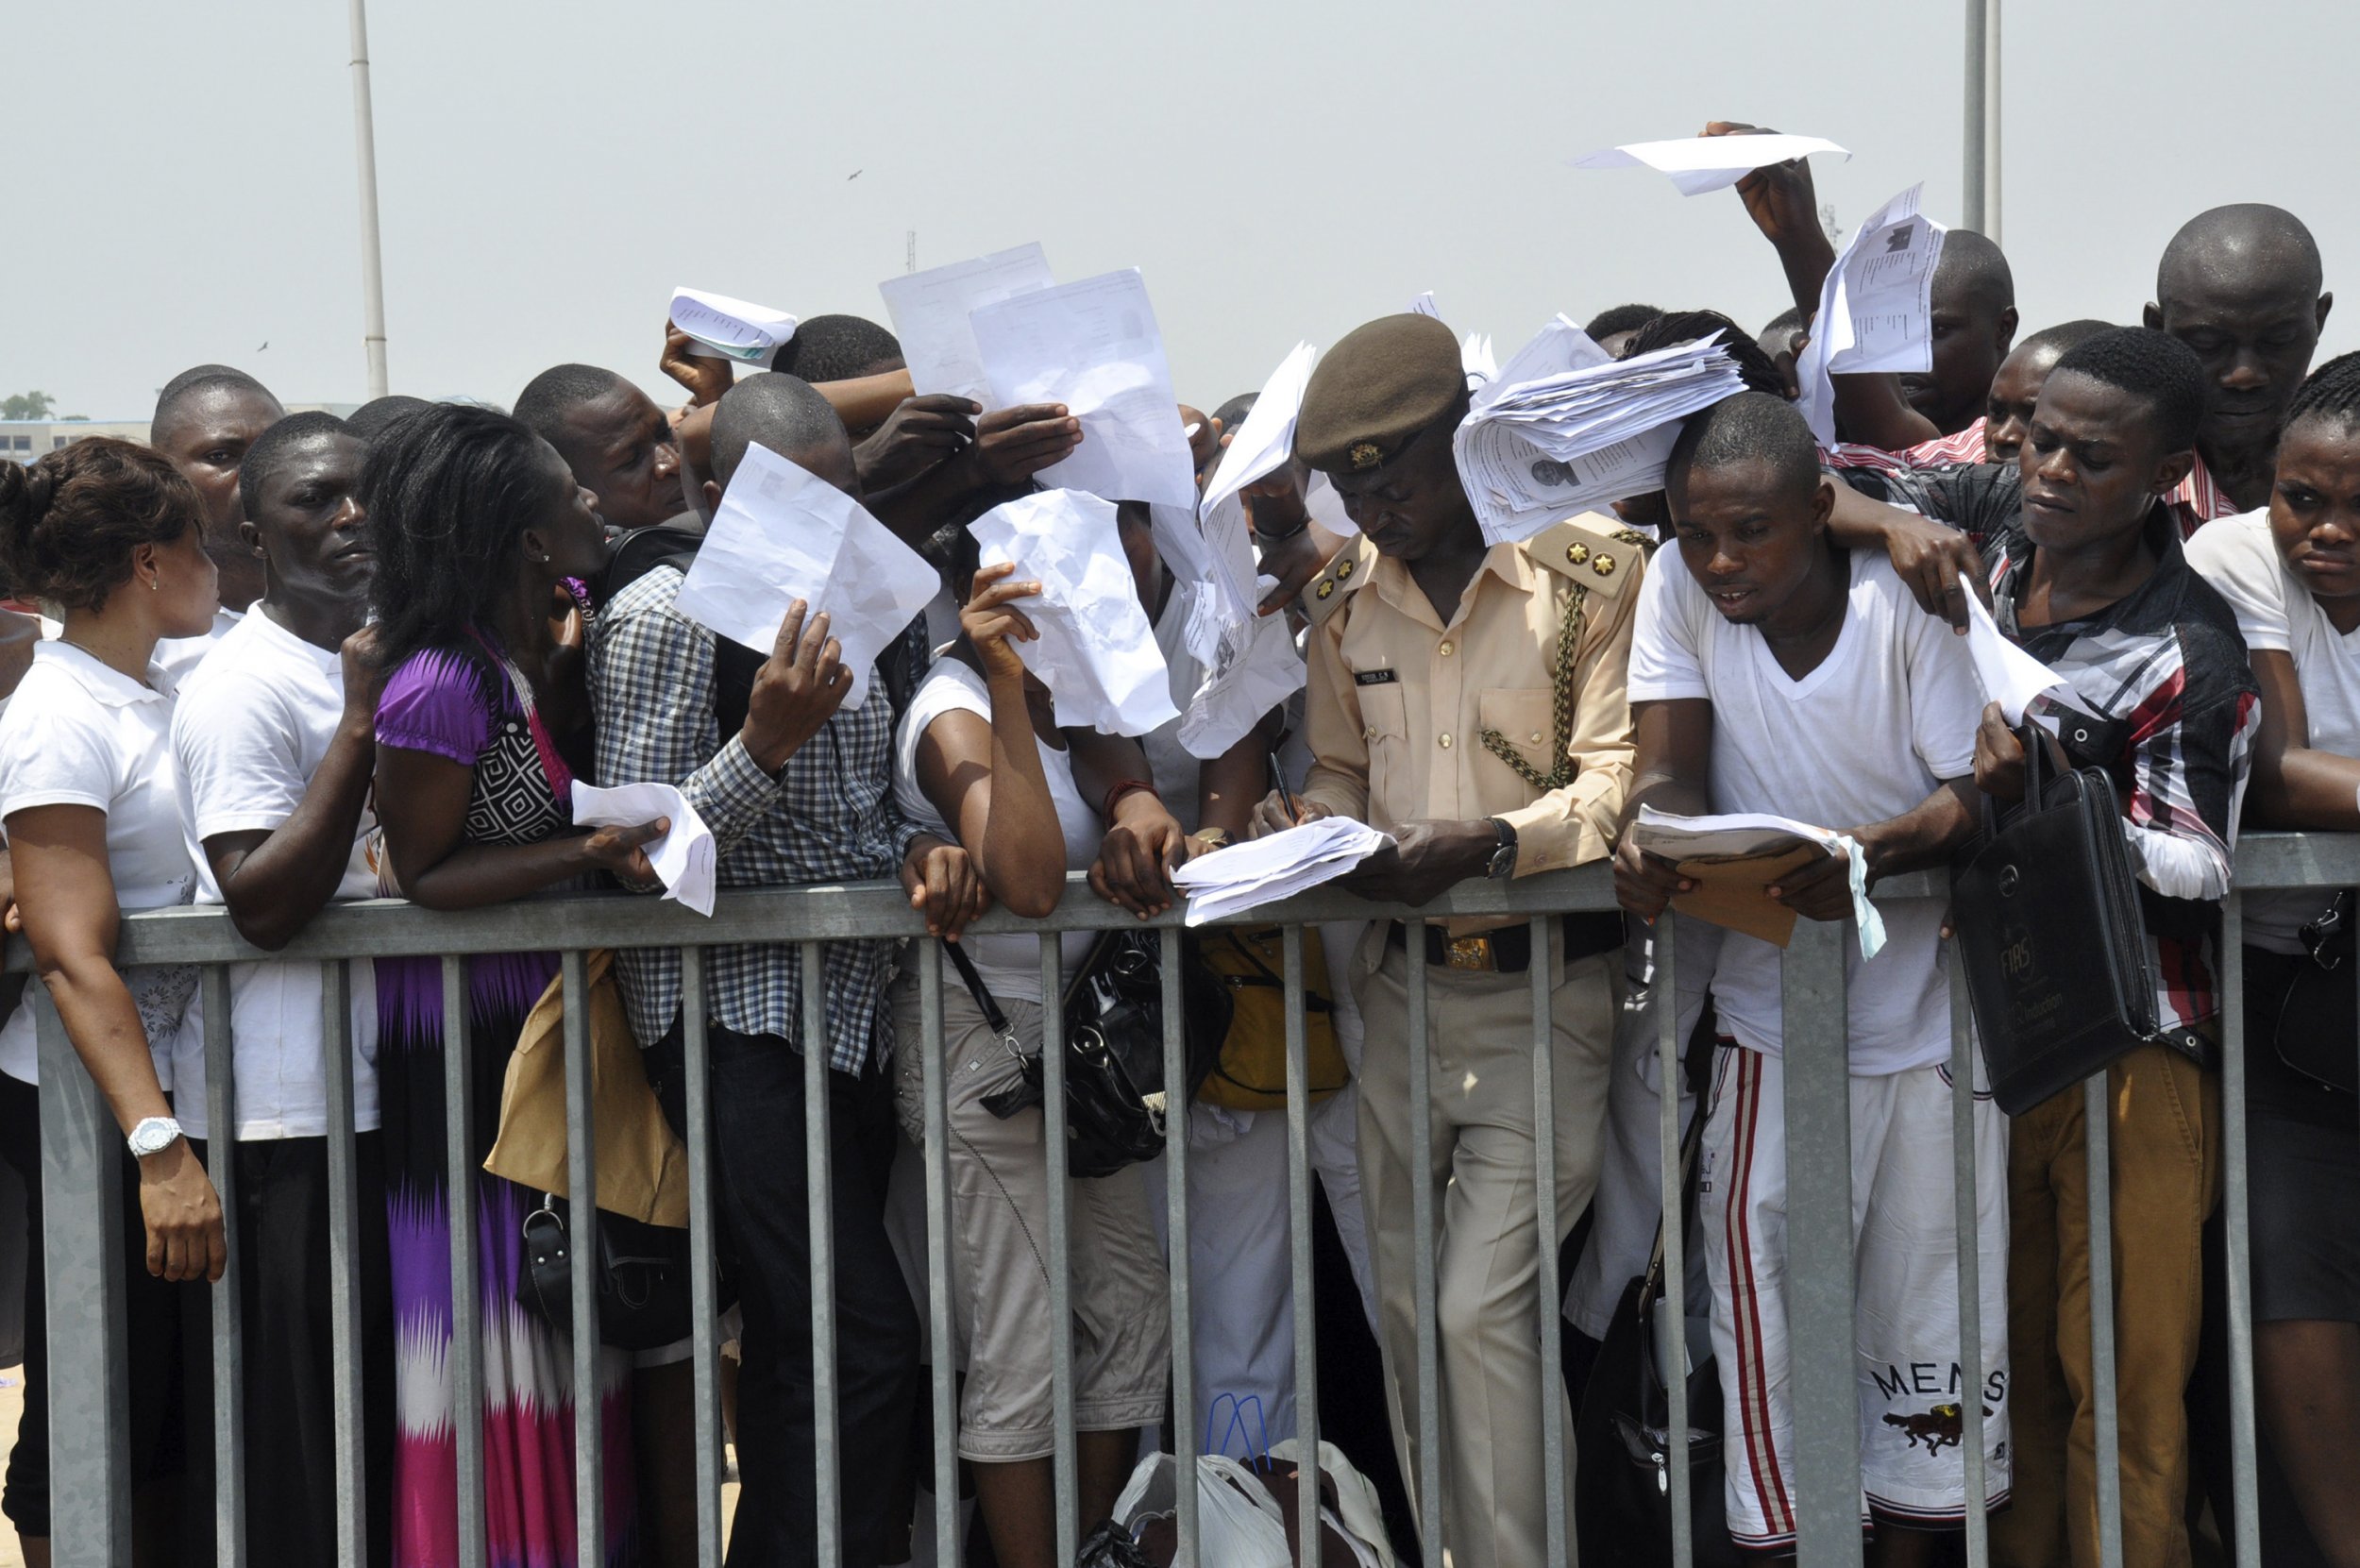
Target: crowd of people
x,y
271,661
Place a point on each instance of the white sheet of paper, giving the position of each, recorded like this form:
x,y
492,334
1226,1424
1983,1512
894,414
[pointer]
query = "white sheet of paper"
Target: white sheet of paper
x,y
1264,443
2011,677
1701,163
1096,654
726,329
929,312
1875,309
1094,347
1477,358
1672,836
1254,666
1263,870
686,859
782,533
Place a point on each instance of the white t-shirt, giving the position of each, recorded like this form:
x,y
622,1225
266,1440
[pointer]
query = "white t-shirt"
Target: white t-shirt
x,y
1174,768
252,726
182,656
2277,614
1888,714
1009,964
79,733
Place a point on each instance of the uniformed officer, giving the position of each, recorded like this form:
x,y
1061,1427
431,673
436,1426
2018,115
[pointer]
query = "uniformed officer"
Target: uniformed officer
x,y
1468,699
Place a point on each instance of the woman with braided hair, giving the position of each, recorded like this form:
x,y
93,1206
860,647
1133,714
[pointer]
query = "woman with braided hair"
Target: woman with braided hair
x,y
2291,570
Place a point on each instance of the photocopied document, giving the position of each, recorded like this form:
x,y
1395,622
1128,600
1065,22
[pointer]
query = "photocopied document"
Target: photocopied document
x,y
929,312
1735,858
1247,875
1875,309
1094,347
782,533
1701,163
726,329
1563,429
1096,652
686,859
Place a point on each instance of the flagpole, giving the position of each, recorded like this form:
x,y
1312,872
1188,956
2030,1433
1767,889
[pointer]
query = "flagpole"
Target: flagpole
x,y
371,262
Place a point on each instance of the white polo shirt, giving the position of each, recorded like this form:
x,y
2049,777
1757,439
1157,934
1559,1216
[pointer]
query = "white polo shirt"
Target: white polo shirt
x,y
253,724
182,656
79,733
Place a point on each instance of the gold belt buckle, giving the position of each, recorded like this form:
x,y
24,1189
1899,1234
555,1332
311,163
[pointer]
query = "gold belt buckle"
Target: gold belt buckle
x,y
1468,953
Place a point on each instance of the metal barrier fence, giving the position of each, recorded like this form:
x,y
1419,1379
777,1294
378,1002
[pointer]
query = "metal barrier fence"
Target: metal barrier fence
x,y
81,1174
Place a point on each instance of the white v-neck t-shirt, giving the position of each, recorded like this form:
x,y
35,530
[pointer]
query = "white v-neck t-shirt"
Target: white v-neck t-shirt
x,y
1888,714
2277,614
77,732
253,724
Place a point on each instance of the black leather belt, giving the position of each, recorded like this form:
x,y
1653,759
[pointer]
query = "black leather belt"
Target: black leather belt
x,y
1508,950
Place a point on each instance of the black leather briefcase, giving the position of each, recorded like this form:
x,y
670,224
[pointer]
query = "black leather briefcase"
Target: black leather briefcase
x,y
2047,916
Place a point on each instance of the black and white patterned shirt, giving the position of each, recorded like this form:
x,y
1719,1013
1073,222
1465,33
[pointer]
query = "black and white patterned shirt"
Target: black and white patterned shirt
x,y
829,817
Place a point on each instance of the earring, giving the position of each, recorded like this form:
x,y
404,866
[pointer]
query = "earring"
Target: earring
x,y
545,558
156,583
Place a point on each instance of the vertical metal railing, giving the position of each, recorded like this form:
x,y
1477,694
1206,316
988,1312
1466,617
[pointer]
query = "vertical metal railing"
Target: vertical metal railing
x,y
2236,1195
343,1261
229,1302
703,1260
1672,1315
1428,1450
583,1277
464,1362
827,1481
2097,1106
1554,1437
1964,1182
1823,1360
1299,1251
1183,1433
1060,1246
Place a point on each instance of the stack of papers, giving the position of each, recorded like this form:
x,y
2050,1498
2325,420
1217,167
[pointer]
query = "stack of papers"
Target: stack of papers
x,y
1564,430
1095,348
1735,857
1264,871
686,859
726,329
1701,163
930,313
1875,309
1096,652
782,533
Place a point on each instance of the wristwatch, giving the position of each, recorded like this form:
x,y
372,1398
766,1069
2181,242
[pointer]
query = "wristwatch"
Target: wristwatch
x,y
1504,857
153,1136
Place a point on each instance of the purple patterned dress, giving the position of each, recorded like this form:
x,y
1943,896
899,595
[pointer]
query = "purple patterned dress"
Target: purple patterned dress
x,y
460,705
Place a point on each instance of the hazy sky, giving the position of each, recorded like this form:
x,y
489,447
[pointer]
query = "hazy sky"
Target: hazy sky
x,y
551,169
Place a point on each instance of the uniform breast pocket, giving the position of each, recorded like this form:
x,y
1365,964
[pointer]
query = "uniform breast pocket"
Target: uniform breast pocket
x,y
1525,718
1385,717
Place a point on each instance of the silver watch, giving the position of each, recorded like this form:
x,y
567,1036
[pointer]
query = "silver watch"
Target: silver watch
x,y
153,1136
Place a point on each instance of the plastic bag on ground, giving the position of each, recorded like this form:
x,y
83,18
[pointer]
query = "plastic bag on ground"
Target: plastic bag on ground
x,y
1239,1523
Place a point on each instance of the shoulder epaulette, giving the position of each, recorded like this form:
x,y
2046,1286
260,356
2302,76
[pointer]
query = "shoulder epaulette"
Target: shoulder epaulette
x,y
1326,592
1596,551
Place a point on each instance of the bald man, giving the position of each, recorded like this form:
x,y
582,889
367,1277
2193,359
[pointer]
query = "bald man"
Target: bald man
x,y
2241,286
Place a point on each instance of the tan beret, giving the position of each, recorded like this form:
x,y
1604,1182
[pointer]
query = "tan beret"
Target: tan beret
x,y
1381,385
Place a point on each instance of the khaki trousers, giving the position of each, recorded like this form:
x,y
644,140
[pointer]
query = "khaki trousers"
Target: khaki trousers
x,y
1487,1251
2165,1140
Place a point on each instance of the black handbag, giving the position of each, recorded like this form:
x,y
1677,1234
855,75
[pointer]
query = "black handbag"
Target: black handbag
x,y
2318,1031
2046,916
1623,1512
1113,1007
643,1277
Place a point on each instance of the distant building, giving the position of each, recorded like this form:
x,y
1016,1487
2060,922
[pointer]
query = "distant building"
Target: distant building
x,y
22,440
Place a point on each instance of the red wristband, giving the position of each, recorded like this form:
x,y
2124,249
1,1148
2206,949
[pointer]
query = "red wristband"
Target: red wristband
x,y
1125,787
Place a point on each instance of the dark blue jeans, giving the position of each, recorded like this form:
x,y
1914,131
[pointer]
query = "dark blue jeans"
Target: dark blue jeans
x,y
764,1208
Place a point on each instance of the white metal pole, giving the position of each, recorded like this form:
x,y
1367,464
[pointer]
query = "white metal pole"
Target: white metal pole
x,y
1971,143
371,262
1991,121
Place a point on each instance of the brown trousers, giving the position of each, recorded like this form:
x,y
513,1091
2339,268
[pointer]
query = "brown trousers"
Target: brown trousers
x,y
2164,1133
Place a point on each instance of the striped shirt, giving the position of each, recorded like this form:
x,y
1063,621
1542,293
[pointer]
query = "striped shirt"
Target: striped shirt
x,y
2165,672
829,817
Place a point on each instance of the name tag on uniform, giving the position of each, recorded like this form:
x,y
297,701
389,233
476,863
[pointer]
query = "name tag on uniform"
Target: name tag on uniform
x,y
1375,677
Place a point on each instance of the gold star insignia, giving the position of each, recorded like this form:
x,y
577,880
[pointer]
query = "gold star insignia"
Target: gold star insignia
x,y
1603,565
1577,553
1344,569
1365,454
1328,588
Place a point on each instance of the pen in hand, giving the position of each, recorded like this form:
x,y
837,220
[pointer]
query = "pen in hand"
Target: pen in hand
x,y
1286,796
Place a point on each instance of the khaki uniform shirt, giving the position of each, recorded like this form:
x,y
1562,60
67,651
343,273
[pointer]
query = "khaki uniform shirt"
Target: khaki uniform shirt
x,y
1405,715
